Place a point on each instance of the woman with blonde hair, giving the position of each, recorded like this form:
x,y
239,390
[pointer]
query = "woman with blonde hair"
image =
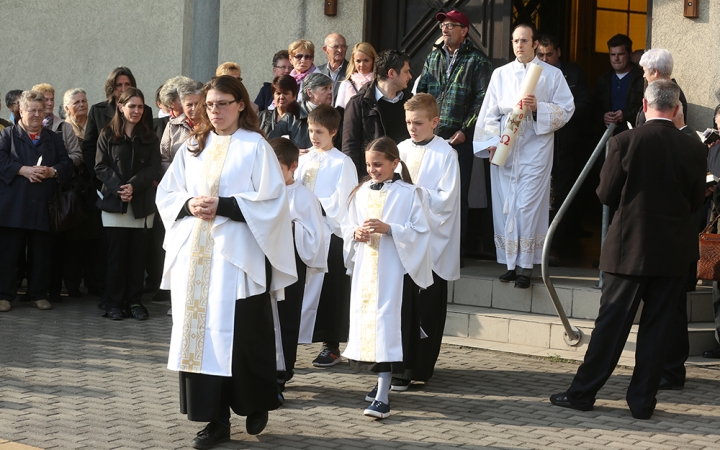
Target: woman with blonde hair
x,y
359,72
302,55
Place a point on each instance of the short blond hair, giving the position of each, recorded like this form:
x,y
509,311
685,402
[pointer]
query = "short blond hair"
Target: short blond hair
x,y
228,68
43,88
423,102
301,44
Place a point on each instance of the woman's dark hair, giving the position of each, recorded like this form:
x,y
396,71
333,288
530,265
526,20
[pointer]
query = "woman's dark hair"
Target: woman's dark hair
x,y
387,147
112,79
284,83
117,124
248,120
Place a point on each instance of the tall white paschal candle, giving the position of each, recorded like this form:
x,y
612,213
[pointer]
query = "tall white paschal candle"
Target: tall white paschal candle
x,y
516,116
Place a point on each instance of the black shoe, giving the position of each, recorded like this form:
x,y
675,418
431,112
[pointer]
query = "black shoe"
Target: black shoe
x,y
714,353
256,422
161,296
150,288
508,276
665,385
328,357
562,400
139,312
114,314
522,282
210,436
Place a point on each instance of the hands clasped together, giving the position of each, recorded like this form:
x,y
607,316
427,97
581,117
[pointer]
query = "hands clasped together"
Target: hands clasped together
x,y
37,173
203,207
370,226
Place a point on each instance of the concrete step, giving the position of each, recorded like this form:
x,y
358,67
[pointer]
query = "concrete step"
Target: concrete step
x,y
577,290
544,334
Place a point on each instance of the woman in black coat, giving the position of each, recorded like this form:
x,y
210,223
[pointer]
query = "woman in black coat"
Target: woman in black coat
x,y
128,164
33,164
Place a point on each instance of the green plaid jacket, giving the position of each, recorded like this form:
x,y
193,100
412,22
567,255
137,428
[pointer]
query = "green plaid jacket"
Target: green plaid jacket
x,y
461,95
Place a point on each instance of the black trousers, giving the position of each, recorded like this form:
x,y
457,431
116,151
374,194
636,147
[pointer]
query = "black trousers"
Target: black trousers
x,y
253,385
332,323
125,267
289,314
465,161
431,306
156,253
618,305
678,348
12,245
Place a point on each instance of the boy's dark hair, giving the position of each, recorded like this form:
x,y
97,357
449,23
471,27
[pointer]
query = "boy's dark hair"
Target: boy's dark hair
x,y
620,40
326,116
285,150
389,59
546,40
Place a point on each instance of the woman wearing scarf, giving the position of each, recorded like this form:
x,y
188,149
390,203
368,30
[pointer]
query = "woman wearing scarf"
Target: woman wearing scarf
x,y
359,72
302,54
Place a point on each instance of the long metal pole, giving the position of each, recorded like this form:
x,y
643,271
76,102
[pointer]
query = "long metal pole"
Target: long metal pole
x,y
573,335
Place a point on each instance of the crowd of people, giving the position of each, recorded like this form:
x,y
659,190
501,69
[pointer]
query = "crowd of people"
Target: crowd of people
x,y
334,207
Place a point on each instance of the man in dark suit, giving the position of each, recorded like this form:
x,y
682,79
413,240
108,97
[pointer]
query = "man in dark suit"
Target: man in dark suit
x,y
569,155
652,239
619,92
335,48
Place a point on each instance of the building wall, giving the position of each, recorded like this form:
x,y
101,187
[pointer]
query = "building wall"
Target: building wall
x,y
252,32
76,43
693,44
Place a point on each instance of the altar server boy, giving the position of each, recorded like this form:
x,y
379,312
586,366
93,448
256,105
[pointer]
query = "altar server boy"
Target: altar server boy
x,y
310,253
387,239
331,176
433,166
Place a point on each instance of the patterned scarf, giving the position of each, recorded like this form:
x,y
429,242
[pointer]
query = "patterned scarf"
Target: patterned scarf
x,y
299,77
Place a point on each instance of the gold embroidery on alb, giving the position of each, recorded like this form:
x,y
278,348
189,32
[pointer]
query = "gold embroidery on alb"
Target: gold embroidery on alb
x,y
414,161
198,286
369,279
310,176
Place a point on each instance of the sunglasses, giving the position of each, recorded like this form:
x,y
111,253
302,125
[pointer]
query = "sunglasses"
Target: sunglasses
x,y
300,56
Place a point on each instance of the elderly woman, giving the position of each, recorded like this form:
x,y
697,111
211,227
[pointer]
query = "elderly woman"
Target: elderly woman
x,y
180,127
229,246
58,125
318,91
169,95
359,72
657,64
302,54
75,105
285,92
127,164
33,160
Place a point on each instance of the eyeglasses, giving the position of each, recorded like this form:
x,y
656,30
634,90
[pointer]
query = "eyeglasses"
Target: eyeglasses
x,y
337,47
220,105
33,112
449,25
283,67
519,41
299,56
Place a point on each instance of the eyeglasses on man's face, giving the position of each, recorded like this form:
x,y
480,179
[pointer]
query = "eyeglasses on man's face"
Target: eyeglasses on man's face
x,y
220,105
449,25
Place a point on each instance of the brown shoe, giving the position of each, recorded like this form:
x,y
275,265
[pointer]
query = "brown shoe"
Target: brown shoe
x,y
41,304
4,306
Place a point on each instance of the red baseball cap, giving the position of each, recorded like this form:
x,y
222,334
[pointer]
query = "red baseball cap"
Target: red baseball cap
x,y
453,15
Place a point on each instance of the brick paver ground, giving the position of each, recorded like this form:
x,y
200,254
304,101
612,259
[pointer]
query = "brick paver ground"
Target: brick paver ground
x,y
71,379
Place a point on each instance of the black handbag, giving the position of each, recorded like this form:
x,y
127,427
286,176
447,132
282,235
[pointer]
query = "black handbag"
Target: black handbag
x,y
67,207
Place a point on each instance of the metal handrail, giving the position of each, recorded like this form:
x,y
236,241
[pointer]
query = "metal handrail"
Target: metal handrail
x,y
572,335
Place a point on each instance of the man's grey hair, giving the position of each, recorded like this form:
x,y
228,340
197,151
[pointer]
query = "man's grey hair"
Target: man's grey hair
x,y
662,95
658,59
191,88
169,91
327,38
31,96
315,80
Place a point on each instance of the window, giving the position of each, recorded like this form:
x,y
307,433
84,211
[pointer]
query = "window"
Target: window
x,y
627,17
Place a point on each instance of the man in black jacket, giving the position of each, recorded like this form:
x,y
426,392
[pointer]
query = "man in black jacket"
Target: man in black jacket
x,y
619,92
378,109
657,191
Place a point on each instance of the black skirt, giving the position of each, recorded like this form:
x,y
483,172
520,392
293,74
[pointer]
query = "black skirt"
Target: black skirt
x,y
410,325
253,385
332,322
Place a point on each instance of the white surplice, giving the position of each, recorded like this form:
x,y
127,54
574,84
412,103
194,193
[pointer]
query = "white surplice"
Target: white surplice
x,y
376,304
331,176
434,167
521,188
309,227
251,174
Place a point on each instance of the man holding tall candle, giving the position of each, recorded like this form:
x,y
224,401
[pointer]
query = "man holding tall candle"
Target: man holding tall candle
x,y
521,186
